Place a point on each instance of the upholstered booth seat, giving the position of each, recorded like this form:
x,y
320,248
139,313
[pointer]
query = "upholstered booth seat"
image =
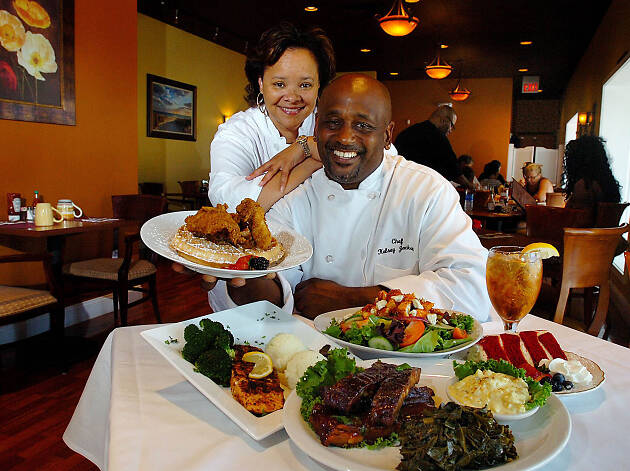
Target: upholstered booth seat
x,y
107,268
14,300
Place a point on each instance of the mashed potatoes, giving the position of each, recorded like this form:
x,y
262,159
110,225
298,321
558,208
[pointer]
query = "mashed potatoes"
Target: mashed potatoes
x,y
298,364
281,348
503,394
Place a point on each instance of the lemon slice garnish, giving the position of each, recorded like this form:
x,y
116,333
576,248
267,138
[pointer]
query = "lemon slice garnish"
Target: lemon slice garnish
x,y
263,366
546,250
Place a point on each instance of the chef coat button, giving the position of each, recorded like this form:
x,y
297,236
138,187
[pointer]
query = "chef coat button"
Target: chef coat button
x,y
330,258
372,196
331,197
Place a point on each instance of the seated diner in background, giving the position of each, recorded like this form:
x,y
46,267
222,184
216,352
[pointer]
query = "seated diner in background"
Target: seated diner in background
x,y
535,184
491,175
374,221
587,175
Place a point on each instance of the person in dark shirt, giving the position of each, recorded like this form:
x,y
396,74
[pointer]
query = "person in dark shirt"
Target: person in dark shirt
x,y
427,143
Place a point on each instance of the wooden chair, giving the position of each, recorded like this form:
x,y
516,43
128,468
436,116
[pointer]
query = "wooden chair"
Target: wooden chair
x,y
609,214
151,188
547,223
18,304
587,261
123,274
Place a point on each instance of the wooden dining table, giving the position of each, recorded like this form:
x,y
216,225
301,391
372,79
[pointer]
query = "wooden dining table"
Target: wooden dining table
x,y
27,237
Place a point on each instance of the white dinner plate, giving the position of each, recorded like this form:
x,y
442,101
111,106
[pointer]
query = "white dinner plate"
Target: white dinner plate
x,y
255,323
538,439
156,233
322,322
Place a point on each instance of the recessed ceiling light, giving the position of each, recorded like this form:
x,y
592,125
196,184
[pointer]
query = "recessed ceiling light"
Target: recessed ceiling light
x,y
393,73
523,70
313,8
365,49
412,1
526,43
444,46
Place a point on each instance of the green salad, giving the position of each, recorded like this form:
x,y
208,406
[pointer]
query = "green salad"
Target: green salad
x,y
403,323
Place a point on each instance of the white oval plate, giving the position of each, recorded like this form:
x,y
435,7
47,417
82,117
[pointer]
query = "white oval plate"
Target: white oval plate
x,y
538,439
593,368
501,418
157,232
322,322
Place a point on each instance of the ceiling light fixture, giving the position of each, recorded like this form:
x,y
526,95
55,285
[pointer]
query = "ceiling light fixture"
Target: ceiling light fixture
x,y
523,70
393,73
365,49
459,93
526,43
397,22
443,46
311,8
438,69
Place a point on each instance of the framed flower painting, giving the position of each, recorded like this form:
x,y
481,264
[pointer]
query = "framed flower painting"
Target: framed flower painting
x,y
37,61
171,109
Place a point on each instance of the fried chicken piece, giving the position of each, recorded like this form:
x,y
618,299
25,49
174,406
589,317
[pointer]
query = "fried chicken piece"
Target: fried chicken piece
x,y
216,224
252,214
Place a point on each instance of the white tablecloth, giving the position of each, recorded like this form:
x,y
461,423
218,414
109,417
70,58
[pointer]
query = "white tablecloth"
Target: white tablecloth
x,y
138,413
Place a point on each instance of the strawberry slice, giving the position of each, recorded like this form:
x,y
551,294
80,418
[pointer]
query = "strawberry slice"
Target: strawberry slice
x,y
241,264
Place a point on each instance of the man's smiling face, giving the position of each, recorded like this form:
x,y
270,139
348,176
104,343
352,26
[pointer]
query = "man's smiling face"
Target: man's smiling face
x,y
353,127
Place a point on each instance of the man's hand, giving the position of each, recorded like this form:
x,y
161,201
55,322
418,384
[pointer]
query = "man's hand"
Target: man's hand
x,y
208,282
316,296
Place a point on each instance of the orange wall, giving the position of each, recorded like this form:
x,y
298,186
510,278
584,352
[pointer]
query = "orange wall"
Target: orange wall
x,y
483,120
96,158
610,42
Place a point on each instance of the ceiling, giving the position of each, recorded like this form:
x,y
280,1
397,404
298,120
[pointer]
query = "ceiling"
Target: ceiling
x,y
483,35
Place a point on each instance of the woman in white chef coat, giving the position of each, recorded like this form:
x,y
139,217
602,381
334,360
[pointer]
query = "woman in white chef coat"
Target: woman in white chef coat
x,y
285,71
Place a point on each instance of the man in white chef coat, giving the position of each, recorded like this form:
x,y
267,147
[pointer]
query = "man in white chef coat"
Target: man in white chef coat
x,y
374,221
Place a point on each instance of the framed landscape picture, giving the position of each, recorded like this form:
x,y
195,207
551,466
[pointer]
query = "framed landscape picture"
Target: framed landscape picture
x,y
37,61
171,109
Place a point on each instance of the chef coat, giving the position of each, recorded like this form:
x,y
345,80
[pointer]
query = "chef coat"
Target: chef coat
x,y
402,228
241,145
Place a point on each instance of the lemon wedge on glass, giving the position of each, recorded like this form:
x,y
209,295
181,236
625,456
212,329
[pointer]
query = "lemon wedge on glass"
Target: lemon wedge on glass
x,y
263,366
546,250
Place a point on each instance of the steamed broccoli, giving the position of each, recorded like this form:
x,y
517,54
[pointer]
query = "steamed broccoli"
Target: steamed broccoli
x,y
225,341
190,331
211,328
216,365
195,345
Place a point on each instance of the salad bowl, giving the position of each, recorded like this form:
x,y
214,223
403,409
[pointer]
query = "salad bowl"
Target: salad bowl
x,y
323,321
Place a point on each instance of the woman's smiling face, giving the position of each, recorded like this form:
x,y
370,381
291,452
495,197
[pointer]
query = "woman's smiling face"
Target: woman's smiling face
x,y
290,89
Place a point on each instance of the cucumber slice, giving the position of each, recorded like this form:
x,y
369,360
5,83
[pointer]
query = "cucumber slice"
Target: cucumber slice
x,y
381,343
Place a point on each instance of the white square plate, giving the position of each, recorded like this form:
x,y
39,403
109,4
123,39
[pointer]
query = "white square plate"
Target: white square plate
x,y
255,323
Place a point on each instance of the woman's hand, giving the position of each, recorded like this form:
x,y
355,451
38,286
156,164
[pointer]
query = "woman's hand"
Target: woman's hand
x,y
284,162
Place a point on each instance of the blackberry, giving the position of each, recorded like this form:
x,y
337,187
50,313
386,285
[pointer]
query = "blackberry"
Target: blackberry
x,y
258,263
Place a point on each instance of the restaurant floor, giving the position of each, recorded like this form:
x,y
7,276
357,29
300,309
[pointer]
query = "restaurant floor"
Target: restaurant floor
x,y
37,401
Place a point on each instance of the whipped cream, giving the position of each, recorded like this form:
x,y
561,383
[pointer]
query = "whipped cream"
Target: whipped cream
x,y
572,370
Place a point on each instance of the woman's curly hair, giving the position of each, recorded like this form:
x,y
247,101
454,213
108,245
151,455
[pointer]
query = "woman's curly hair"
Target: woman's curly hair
x,y
585,159
278,39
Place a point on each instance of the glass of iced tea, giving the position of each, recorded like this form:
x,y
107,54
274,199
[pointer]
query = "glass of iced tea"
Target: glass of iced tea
x,y
513,279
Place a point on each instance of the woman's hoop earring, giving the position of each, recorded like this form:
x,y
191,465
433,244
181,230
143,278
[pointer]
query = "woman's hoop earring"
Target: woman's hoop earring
x,y
260,103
